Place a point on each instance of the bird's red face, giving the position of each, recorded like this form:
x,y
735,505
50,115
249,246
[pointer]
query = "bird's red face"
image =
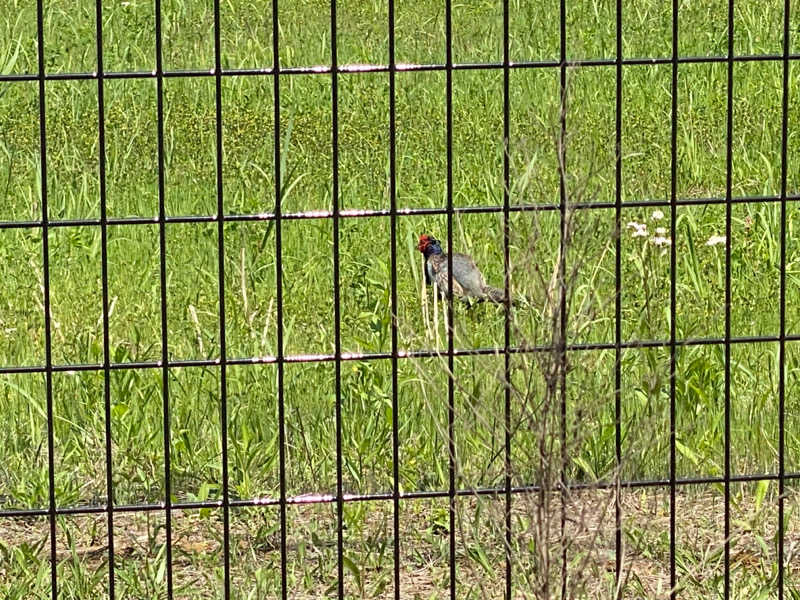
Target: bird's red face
x,y
424,241
429,245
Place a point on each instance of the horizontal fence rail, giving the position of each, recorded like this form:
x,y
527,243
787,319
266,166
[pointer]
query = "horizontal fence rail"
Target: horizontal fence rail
x,y
309,498
402,68
368,213
400,354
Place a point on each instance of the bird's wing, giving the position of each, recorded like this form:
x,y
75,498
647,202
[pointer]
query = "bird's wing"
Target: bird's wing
x,y
438,267
466,272
428,272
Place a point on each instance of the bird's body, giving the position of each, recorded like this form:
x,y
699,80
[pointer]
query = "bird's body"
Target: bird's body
x,y
468,281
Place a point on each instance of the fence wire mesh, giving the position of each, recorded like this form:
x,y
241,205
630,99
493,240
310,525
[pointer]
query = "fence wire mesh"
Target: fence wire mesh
x,y
335,72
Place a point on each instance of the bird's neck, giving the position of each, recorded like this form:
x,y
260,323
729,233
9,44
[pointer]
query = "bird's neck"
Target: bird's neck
x,y
432,250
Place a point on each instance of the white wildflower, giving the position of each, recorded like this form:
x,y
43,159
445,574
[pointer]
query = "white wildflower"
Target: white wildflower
x,y
660,240
639,229
657,215
716,239
661,231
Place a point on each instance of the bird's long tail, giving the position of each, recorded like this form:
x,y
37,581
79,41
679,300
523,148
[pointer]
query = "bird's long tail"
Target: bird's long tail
x,y
497,296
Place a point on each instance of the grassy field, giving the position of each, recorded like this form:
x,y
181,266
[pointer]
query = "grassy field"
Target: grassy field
x,y
365,283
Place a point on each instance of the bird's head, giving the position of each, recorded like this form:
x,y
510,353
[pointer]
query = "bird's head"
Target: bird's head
x,y
428,245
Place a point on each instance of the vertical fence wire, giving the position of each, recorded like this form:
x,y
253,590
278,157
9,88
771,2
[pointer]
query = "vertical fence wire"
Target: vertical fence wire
x,y
337,325
223,351
162,257
618,306
451,445
48,342
393,301
276,152
101,138
672,293
782,305
507,293
727,345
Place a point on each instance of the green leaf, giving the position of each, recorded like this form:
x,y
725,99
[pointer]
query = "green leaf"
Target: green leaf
x,y
351,566
202,493
119,410
585,466
478,554
12,60
687,452
761,492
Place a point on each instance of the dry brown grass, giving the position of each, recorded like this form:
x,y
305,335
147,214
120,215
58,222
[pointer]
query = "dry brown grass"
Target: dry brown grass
x,y
480,556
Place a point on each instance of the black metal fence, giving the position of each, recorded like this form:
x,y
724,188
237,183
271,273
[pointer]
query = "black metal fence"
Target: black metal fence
x,y
277,73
